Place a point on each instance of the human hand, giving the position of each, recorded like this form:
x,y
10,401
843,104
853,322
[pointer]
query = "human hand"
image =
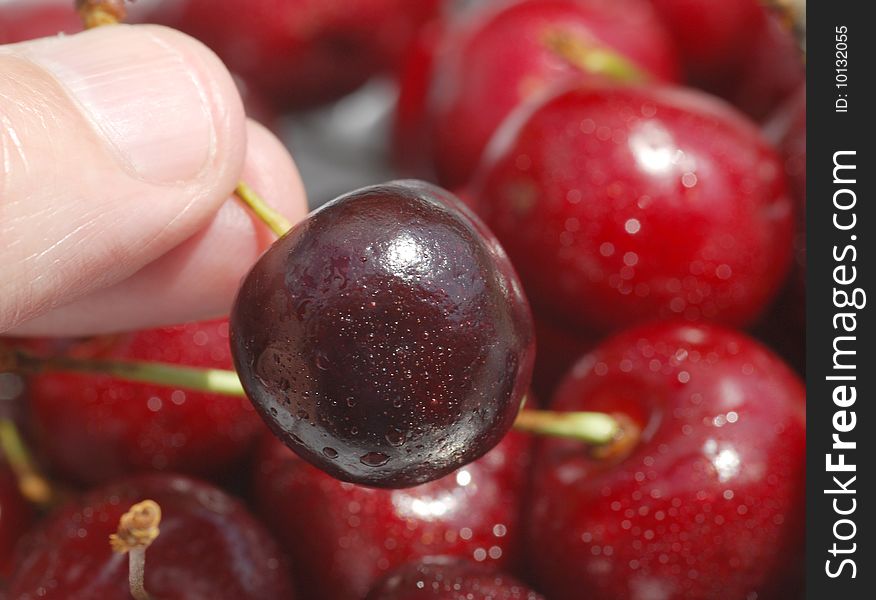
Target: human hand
x,y
120,148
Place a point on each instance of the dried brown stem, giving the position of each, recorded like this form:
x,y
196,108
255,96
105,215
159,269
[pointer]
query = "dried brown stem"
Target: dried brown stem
x,y
137,529
95,13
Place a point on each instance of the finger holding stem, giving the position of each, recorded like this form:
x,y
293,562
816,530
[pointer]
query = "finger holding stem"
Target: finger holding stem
x,y
273,219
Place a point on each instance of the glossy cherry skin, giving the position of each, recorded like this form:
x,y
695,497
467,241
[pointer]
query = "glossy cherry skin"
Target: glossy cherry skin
x,y
500,57
93,428
385,338
619,205
209,548
446,578
22,20
709,502
301,53
356,534
16,517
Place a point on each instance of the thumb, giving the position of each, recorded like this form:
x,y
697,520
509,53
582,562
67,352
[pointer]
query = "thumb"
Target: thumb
x,y
116,145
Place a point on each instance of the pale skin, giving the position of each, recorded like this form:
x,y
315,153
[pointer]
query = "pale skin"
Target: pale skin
x,y
120,149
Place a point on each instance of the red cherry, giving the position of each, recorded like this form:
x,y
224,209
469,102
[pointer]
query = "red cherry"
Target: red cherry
x,y
94,427
356,534
302,52
501,58
736,49
446,578
618,205
209,548
16,517
411,119
707,504
28,19
770,71
710,35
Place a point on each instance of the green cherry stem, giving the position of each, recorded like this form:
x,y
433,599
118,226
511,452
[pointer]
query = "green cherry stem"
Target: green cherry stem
x,y
273,219
215,381
591,427
592,58
33,486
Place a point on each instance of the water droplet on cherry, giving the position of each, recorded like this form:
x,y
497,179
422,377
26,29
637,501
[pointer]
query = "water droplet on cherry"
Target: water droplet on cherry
x,y
374,459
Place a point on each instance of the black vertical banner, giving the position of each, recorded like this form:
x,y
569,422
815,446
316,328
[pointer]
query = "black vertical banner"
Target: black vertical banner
x,y
841,420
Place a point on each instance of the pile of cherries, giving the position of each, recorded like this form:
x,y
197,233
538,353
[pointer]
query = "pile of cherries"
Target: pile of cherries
x,y
639,233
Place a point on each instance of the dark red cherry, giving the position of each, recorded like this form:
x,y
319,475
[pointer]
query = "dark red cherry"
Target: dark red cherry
x,y
500,57
619,205
446,578
16,517
93,428
385,338
737,50
302,52
22,20
711,35
770,70
209,548
707,504
356,534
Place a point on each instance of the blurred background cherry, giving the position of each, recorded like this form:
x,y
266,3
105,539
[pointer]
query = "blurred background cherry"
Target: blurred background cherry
x,y
93,428
16,518
492,59
343,537
209,547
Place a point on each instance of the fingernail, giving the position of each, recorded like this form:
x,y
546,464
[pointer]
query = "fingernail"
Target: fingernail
x,y
144,95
